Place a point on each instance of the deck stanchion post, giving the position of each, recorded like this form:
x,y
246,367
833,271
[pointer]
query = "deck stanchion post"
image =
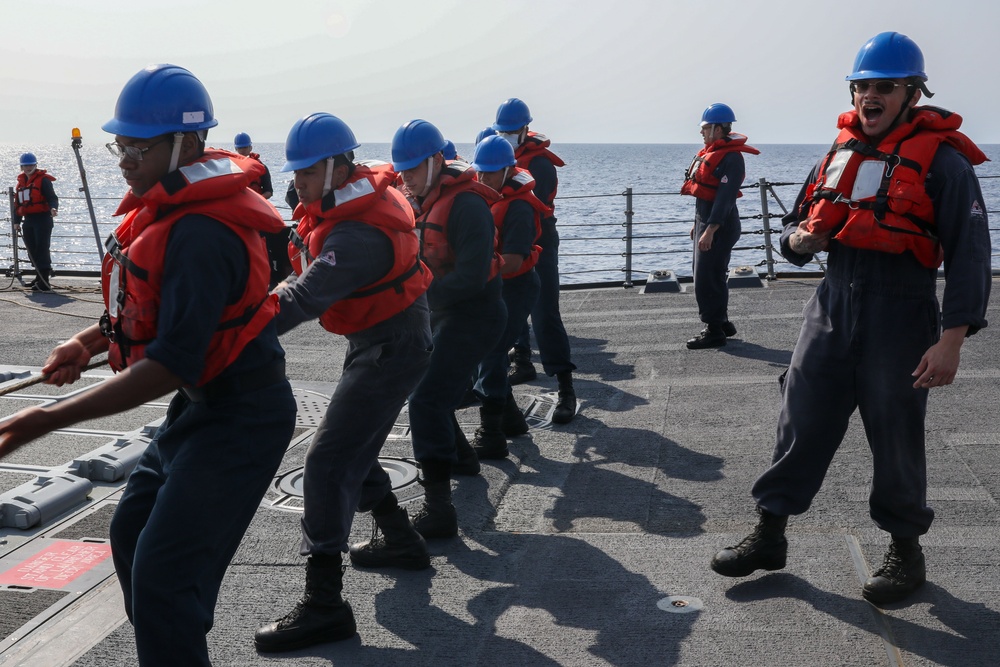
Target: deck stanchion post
x,y
765,187
628,238
16,268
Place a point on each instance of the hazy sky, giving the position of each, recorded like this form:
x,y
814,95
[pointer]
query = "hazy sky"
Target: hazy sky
x,y
614,71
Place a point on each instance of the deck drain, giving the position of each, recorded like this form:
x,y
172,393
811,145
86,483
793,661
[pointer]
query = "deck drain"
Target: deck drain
x,y
679,604
402,474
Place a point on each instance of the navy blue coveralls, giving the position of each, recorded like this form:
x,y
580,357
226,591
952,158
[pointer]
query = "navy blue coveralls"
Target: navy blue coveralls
x,y
865,329
36,230
197,486
519,294
382,366
550,334
467,317
711,267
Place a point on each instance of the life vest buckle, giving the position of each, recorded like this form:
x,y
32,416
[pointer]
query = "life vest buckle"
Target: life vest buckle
x,y
851,204
892,161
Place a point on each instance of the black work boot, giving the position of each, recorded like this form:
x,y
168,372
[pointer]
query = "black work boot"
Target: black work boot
x,y
321,615
437,518
521,368
394,543
514,423
468,462
763,549
566,405
902,572
490,442
729,329
711,336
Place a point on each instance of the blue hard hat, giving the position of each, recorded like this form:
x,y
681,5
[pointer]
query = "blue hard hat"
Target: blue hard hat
x,y
161,99
242,140
485,132
717,114
888,55
414,142
493,154
316,137
449,152
512,115
28,158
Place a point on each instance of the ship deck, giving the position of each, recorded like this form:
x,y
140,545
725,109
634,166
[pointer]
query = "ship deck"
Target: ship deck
x,y
588,546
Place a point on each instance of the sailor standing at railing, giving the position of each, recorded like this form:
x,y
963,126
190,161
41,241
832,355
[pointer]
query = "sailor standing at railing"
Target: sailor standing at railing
x,y
188,314
37,204
714,179
872,336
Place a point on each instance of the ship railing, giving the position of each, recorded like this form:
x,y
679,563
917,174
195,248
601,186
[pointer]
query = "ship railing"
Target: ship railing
x,y
603,237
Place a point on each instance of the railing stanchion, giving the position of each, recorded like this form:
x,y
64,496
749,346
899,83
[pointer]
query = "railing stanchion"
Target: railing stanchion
x,y
765,187
16,268
628,238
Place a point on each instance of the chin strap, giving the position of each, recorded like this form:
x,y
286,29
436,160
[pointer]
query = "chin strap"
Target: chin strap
x,y
430,176
328,179
175,155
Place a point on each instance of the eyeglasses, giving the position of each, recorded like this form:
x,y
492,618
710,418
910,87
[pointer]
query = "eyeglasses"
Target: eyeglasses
x,y
883,87
133,153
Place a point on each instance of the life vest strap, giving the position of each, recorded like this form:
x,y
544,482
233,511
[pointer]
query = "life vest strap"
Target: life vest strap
x,y
242,319
396,283
114,249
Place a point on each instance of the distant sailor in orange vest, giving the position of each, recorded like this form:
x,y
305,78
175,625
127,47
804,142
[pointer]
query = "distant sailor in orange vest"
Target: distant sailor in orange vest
x,y
714,179
37,204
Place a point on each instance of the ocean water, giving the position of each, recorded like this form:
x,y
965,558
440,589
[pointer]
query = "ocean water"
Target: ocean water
x,y
590,207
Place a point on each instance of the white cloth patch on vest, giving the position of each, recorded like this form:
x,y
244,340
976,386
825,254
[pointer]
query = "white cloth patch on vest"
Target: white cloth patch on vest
x,y
200,171
868,180
352,191
328,257
977,210
522,177
724,179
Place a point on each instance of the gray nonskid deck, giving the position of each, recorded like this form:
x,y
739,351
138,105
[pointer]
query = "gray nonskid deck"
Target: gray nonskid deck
x,y
574,551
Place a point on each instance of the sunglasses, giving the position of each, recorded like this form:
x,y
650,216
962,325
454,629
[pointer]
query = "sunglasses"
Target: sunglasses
x,y
883,87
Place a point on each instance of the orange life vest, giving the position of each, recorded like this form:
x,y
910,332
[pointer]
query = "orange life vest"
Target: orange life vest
x,y
536,144
29,192
699,179
519,186
366,197
432,217
215,186
875,195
